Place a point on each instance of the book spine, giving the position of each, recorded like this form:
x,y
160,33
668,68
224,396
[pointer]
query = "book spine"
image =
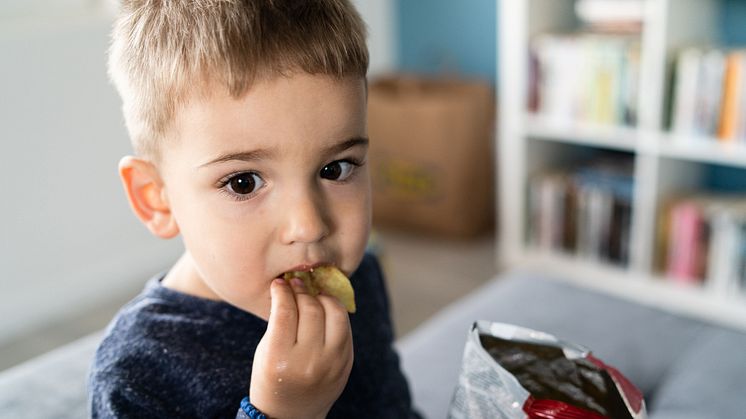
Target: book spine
x,y
741,130
685,92
741,269
711,93
685,241
731,98
723,255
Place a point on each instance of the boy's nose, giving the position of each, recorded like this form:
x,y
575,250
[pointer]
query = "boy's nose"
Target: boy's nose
x,y
305,220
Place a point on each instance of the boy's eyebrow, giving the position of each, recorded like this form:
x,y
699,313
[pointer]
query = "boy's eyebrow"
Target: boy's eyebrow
x,y
255,155
248,156
344,145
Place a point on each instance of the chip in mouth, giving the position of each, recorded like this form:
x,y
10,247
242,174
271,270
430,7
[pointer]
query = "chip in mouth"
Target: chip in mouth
x,y
330,281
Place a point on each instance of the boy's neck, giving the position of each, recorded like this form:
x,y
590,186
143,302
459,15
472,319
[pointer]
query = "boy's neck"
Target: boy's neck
x,y
183,277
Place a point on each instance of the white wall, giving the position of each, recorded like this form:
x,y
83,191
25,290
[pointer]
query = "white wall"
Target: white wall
x,y
380,16
13,9
67,237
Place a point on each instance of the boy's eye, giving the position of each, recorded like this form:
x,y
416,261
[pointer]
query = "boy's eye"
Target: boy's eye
x,y
338,170
245,183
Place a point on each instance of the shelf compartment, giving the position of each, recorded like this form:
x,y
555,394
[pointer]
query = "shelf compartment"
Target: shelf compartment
x,y
580,199
700,235
679,176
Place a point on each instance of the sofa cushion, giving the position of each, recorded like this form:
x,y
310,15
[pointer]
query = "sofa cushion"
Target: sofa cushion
x,y
51,385
709,377
648,345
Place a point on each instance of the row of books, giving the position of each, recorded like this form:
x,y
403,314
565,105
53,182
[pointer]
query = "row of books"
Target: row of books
x,y
588,77
709,99
702,240
586,212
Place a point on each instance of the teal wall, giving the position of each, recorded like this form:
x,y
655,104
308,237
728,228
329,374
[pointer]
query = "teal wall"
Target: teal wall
x,y
733,20
437,36
440,36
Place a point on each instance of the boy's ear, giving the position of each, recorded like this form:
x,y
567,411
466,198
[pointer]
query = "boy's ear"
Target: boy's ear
x,y
147,196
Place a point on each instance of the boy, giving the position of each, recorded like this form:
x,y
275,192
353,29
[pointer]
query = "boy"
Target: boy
x,y
248,121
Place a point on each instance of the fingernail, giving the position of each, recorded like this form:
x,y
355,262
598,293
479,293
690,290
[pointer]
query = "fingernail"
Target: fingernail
x,y
297,282
280,281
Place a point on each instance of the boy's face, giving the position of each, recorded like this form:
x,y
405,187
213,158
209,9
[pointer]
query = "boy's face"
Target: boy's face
x,y
272,182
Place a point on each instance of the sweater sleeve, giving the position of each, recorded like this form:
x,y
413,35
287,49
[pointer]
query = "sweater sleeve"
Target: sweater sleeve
x,y
115,399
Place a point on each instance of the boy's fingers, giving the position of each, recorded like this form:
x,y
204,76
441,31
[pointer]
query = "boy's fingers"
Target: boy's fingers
x,y
311,314
298,286
311,322
338,331
282,326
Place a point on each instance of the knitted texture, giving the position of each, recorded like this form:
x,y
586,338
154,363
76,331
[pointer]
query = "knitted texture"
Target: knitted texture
x,y
168,354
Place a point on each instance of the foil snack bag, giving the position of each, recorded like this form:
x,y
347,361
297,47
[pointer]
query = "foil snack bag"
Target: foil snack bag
x,y
516,373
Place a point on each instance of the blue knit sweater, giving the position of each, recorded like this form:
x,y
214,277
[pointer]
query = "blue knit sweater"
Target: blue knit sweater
x,y
168,354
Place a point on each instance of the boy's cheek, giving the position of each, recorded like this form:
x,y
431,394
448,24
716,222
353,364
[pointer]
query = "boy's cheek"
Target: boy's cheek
x,y
354,231
223,246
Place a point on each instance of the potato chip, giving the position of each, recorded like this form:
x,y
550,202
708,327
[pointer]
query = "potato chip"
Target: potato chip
x,y
330,281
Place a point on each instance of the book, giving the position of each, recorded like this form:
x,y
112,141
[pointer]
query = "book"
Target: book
x,y
741,123
722,271
687,79
619,238
629,89
741,261
731,103
551,212
709,95
685,240
551,190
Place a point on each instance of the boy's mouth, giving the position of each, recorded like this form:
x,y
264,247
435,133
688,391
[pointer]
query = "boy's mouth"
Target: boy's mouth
x,y
307,267
304,269
326,278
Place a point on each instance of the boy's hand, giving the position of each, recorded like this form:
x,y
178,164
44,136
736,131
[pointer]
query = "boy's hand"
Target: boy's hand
x,y
302,363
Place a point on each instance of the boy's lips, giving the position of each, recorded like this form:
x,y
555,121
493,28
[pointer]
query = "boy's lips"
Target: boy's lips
x,y
305,267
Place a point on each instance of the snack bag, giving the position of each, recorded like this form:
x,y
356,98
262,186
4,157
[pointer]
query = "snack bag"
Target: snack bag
x,y
513,372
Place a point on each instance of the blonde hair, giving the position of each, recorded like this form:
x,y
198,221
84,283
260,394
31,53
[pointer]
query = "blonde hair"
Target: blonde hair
x,y
163,51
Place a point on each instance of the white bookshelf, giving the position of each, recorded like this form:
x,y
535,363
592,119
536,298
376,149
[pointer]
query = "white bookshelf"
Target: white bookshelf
x,y
663,164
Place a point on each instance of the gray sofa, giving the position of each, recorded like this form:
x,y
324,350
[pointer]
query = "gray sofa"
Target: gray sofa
x,y
686,368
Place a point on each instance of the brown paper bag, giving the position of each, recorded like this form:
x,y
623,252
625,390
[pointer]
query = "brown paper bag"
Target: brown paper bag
x,y
431,154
